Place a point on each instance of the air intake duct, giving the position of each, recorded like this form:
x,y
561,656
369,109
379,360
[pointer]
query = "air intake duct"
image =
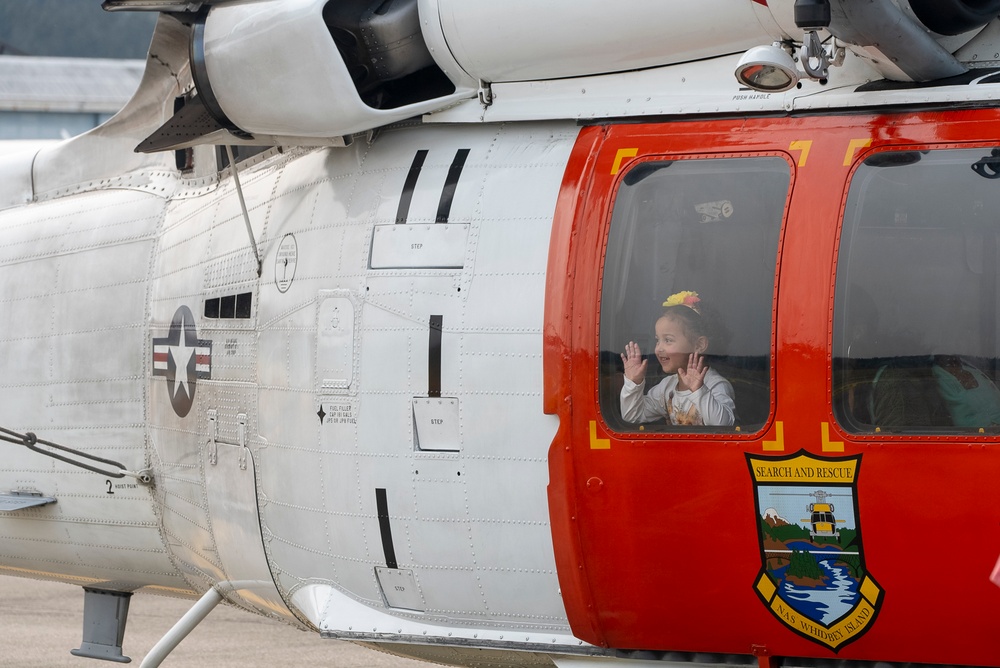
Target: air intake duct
x,y
381,43
303,69
954,17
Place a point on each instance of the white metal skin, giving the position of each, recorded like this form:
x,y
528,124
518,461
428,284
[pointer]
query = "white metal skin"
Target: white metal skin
x,y
528,41
470,526
76,374
255,494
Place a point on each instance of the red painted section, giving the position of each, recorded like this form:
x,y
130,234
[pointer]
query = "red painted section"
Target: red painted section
x,y
558,338
663,554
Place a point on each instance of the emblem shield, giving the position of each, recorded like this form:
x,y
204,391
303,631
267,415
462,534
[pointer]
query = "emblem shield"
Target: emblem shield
x,y
813,576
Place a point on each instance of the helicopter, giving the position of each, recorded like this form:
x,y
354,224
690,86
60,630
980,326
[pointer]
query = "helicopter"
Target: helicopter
x,y
821,515
327,324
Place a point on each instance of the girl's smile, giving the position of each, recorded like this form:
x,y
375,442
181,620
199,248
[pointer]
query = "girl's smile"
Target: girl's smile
x,y
673,347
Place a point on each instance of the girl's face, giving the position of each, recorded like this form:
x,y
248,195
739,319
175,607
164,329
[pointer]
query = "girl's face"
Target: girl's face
x,y
673,347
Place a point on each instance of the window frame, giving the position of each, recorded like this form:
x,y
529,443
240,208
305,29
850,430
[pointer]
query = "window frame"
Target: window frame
x,y
707,433
903,435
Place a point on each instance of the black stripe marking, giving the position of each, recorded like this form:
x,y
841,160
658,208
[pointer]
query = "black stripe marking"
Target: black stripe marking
x,y
448,193
434,357
385,529
411,183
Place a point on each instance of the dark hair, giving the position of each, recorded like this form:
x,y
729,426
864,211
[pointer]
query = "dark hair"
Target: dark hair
x,y
693,323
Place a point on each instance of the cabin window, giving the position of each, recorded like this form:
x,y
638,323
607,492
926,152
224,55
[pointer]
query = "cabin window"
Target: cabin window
x,y
916,308
709,226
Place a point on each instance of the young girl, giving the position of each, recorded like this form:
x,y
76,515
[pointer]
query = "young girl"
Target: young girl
x,y
691,394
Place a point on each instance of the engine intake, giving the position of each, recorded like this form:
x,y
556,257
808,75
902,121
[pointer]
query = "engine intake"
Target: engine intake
x,y
315,68
954,17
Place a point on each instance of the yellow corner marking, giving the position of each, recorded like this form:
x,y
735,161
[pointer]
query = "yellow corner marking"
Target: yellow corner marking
x,y
828,445
778,444
801,145
870,590
621,155
598,443
855,146
766,588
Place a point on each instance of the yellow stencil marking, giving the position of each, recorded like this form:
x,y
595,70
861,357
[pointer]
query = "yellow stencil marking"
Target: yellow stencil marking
x,y
621,155
778,444
598,443
828,445
855,146
802,145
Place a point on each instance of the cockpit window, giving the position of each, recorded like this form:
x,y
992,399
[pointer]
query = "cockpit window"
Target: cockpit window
x,y
915,347
690,268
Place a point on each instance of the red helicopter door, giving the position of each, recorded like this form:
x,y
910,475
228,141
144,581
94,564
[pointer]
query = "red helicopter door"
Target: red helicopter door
x,y
669,219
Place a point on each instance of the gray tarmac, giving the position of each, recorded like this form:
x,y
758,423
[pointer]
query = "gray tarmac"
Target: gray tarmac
x,y
40,622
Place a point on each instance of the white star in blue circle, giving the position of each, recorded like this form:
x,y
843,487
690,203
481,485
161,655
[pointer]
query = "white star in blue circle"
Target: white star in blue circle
x,y
183,359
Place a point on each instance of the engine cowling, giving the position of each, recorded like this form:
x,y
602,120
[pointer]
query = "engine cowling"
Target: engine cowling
x,y
328,68
911,40
526,40
314,68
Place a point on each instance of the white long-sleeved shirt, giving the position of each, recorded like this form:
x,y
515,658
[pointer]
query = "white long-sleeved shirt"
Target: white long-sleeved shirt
x,y
711,404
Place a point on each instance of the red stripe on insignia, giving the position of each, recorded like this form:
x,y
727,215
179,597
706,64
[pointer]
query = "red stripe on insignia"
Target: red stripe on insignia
x,y
204,359
160,357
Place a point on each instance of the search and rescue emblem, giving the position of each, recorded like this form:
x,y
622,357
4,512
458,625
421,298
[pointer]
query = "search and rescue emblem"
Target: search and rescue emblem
x,y
184,359
813,576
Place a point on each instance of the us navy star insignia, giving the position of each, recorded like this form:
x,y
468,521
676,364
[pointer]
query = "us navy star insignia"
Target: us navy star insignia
x,y
183,359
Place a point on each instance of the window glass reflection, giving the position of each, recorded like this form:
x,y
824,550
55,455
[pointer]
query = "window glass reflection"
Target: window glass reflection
x,y
705,230
916,317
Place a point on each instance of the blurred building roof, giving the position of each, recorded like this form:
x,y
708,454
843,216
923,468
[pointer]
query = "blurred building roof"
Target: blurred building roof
x,y
81,85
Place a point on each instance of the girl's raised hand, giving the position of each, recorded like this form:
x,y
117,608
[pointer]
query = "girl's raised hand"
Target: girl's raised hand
x,y
635,366
694,375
